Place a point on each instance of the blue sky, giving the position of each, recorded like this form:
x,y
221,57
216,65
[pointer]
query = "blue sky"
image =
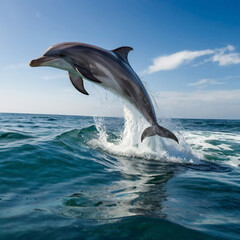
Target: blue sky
x,y
187,53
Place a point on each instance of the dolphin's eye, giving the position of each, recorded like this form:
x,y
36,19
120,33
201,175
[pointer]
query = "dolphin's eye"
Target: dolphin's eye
x,y
60,55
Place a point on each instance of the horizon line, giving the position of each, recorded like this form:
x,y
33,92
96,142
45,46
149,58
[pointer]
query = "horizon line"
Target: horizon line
x,y
79,115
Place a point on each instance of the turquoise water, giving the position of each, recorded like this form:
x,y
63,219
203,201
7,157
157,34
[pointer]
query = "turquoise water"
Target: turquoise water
x,y
72,177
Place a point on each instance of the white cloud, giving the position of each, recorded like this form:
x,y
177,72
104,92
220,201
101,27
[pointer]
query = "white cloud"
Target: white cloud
x,y
226,59
204,82
223,56
175,60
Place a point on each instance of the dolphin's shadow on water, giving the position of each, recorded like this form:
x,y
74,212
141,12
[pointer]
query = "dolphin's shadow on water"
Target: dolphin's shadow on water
x,y
132,194
131,186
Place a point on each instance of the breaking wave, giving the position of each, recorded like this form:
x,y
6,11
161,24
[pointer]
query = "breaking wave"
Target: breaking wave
x,y
129,144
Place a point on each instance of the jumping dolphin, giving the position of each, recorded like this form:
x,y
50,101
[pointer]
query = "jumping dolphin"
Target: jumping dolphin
x,y
109,69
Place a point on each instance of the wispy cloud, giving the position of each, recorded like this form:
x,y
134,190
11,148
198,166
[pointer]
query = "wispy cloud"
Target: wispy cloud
x,y
232,77
205,82
223,56
226,59
204,96
53,77
201,104
175,60
16,66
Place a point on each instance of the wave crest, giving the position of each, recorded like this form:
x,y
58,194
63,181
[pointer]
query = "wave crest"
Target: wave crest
x,y
129,143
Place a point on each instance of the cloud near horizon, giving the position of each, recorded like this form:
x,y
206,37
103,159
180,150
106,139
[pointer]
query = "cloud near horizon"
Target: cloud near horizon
x,y
204,82
200,104
223,56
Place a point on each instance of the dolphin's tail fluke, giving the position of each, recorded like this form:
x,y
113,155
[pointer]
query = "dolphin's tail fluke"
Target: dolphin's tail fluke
x,y
158,130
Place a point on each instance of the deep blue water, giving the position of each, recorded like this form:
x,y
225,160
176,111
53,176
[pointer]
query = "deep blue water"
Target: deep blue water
x,y
72,177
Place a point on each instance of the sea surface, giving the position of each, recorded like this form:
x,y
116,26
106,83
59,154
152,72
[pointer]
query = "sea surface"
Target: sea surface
x,y
75,177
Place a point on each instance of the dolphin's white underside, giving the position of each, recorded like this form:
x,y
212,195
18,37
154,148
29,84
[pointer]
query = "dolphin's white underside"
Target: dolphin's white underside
x,y
108,72
108,82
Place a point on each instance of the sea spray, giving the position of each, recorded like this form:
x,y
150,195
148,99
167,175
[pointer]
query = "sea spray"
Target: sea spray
x,y
129,142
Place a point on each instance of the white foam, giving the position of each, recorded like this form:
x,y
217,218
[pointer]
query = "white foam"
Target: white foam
x,y
204,143
129,144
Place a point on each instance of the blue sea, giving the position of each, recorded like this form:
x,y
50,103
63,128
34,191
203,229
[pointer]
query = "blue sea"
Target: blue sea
x,y
75,177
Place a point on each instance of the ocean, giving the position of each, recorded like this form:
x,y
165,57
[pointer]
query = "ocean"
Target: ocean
x,y
76,177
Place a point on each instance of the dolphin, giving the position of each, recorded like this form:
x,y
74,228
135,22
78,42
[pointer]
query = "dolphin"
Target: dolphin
x,y
109,69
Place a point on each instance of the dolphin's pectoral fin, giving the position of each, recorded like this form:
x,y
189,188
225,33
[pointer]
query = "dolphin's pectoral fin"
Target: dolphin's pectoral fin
x,y
77,82
122,52
158,130
85,73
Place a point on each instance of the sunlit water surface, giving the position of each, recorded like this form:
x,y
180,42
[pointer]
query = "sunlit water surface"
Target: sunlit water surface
x,y
72,177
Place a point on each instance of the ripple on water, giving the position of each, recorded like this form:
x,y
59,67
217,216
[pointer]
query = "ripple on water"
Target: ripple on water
x,y
85,178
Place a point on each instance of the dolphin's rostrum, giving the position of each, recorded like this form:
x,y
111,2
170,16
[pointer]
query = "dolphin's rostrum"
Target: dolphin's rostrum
x,y
109,69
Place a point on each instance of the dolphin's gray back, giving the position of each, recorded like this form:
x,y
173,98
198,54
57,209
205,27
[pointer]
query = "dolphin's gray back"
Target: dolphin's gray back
x,y
115,74
109,69
112,69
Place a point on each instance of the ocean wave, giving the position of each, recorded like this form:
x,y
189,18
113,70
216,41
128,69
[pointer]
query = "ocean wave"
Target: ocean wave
x,y
195,146
91,175
128,142
13,136
216,146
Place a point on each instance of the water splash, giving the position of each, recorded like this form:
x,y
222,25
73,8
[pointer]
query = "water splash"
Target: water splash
x,y
129,143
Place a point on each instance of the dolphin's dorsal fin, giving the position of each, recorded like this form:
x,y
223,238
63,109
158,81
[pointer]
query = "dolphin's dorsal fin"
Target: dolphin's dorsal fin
x,y
122,52
77,82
